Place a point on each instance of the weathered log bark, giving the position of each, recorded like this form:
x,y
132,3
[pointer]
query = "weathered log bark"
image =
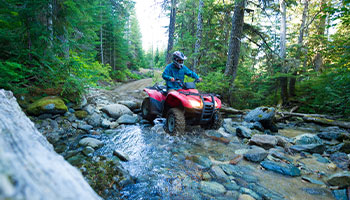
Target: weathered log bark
x,y
324,121
29,167
315,118
230,110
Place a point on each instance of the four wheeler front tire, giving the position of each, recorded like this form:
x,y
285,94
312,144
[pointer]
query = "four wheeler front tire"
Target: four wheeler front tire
x,y
146,110
175,121
215,123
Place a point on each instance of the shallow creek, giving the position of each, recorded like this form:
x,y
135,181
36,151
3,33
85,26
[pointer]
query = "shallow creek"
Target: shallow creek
x,y
161,166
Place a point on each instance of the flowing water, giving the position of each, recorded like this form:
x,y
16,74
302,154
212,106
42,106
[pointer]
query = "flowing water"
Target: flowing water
x,y
161,166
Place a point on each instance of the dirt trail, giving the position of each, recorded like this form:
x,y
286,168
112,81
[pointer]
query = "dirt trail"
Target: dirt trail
x,y
132,86
132,90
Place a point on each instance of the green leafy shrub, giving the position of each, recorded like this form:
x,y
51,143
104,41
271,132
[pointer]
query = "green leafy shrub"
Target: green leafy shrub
x,y
81,73
13,76
327,93
125,75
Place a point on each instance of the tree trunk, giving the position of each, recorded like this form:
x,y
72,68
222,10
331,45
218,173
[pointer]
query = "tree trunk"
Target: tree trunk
x,y
300,45
235,40
318,59
171,31
198,35
101,36
282,54
50,23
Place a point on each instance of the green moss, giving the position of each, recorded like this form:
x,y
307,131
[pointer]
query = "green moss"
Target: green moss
x,y
260,116
102,175
39,106
81,114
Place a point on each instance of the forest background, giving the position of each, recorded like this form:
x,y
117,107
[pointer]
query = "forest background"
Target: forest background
x,y
294,53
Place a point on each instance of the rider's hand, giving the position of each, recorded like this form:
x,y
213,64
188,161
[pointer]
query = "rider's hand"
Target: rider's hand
x,y
200,79
172,79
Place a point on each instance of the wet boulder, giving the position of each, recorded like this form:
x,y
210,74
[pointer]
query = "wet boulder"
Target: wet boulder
x,y
94,120
264,116
264,141
341,179
282,168
128,119
80,114
341,160
310,148
345,147
121,155
132,105
256,154
92,142
329,135
116,110
243,132
307,139
47,105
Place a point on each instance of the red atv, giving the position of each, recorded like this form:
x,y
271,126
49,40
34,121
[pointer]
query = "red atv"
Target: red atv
x,y
181,107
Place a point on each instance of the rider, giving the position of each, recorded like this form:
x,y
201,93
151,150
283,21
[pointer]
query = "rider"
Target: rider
x,y
177,70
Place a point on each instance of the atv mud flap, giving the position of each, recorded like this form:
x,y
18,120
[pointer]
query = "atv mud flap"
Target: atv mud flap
x,y
156,107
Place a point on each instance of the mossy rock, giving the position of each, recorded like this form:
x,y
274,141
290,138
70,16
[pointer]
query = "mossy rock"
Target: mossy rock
x,y
50,105
81,114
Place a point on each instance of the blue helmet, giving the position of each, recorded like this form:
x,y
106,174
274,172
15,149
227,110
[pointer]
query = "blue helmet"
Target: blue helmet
x,y
178,59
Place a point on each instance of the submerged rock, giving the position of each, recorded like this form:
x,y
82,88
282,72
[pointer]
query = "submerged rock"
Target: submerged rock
x,y
282,168
219,174
201,160
49,105
310,180
213,188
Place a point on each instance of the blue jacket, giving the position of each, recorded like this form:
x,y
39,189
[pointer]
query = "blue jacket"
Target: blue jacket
x,y
171,71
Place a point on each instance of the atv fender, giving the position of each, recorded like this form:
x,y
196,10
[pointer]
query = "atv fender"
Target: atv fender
x,y
156,101
176,99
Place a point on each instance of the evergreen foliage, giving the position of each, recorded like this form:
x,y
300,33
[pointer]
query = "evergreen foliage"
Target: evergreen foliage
x,y
60,44
320,88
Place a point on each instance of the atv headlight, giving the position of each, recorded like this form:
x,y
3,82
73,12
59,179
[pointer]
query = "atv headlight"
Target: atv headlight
x,y
196,104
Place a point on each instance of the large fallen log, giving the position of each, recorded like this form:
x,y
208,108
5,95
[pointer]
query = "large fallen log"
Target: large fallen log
x,y
29,166
315,118
230,110
325,121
